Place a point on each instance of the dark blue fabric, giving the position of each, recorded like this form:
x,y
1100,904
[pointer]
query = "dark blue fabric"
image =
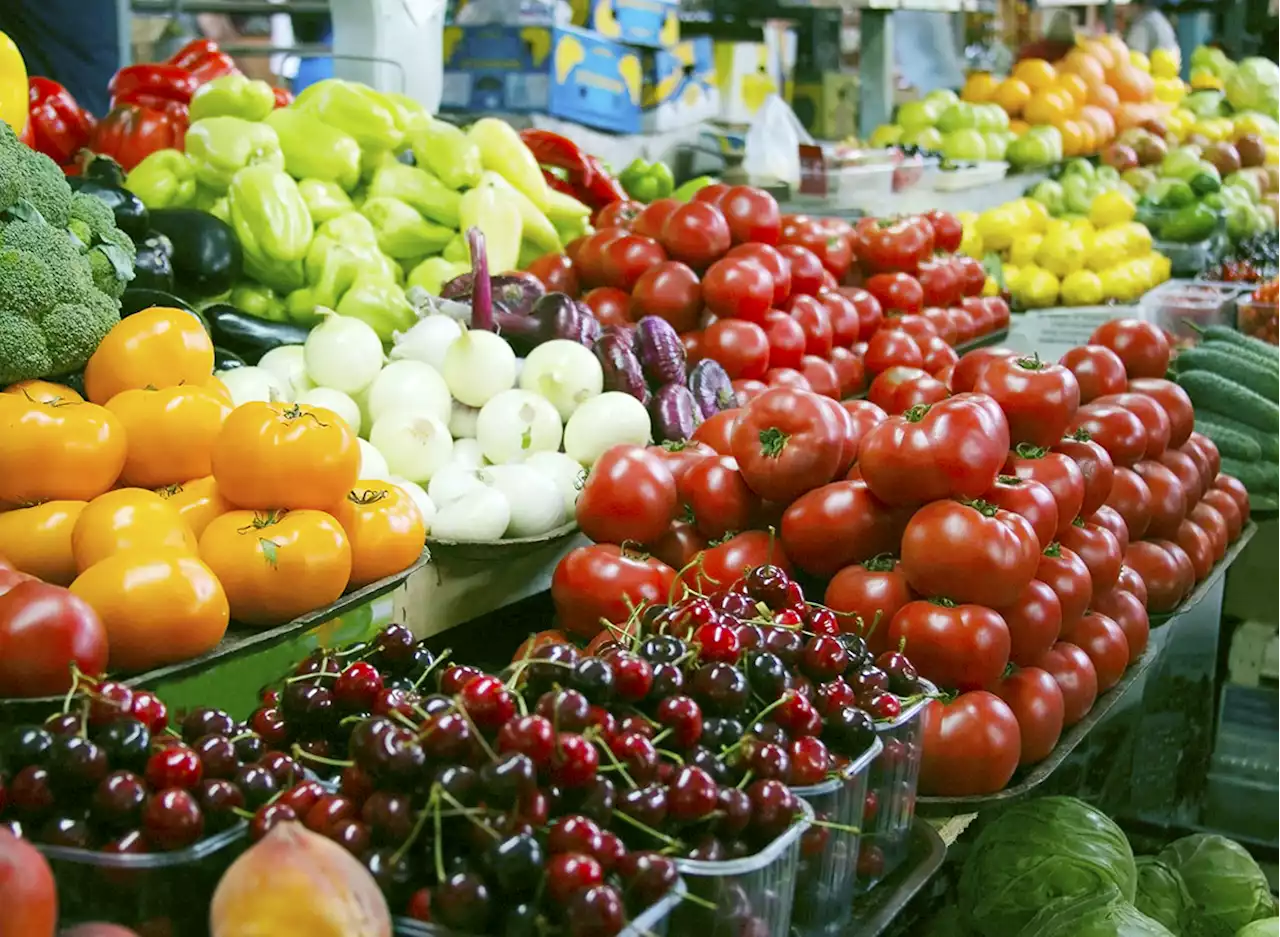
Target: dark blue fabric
x,y
74,42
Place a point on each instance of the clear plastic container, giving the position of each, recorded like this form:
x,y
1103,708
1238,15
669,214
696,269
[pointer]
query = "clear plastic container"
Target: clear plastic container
x,y
1258,318
970,177
1192,259
829,856
1180,307
751,896
153,893
890,803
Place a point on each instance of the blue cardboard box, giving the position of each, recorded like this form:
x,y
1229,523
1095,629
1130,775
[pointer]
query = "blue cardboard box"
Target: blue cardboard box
x,y
680,86
652,23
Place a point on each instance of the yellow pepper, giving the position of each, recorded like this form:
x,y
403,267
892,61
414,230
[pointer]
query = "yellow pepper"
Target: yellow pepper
x,y
13,86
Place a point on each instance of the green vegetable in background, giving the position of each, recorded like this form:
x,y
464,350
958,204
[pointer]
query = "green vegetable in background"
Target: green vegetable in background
x,y
401,231
565,211
355,233
645,181
354,109
1162,894
456,250
417,188
324,200
314,150
380,303
1224,882
325,286
232,96
164,179
1035,852
268,214
258,301
448,152
1187,225
502,151
1206,180
1104,913
1269,927
219,147
688,190
1170,193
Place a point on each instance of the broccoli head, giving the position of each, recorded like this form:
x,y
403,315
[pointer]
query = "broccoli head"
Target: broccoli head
x,y
23,351
95,213
26,174
28,286
72,331
43,241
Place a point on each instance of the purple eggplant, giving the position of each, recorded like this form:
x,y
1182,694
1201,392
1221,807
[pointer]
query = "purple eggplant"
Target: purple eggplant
x,y
661,351
555,315
622,371
674,413
513,293
711,387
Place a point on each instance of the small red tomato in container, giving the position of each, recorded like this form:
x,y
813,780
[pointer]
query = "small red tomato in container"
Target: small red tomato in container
x,y
738,288
752,215
671,291
1039,399
779,267
1141,345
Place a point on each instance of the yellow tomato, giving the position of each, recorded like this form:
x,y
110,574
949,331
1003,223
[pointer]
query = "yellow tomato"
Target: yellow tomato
x,y
1118,282
128,519
1037,215
44,391
1165,63
385,528
1081,288
1111,207
1010,272
997,227
198,502
1139,61
979,87
37,540
157,347
170,433
1037,73
57,450
990,287
1024,249
971,241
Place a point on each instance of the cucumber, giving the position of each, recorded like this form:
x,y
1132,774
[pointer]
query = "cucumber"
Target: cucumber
x,y
1217,394
1236,367
1240,353
1260,477
1223,333
1232,437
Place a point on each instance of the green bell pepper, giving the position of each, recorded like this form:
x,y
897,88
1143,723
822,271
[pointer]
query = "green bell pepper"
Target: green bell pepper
x,y
647,182
418,189
402,232
498,217
164,179
314,150
354,109
326,285
324,200
434,272
258,301
448,152
380,303
232,96
355,233
689,189
269,215
219,147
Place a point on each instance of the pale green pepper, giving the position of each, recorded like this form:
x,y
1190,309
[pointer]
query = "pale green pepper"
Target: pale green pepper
x,y
456,250
564,209
434,272
499,219
314,150
259,301
535,227
324,200
327,286
164,179
219,147
409,113
232,96
354,109
269,215
419,189
279,276
402,232
355,233
448,152
380,303
502,150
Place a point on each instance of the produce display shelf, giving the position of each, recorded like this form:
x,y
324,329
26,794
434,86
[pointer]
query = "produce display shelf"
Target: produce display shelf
x,y
876,910
982,341
1218,571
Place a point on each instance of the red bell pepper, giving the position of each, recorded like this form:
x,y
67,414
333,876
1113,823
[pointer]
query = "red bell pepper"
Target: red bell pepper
x,y
165,82
130,133
175,109
59,127
602,189
204,60
585,177
559,183
284,97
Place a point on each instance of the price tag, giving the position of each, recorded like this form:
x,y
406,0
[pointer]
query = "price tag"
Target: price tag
x,y
813,170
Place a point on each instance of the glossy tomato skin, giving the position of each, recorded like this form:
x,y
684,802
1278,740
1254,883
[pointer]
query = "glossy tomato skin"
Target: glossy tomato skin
x,y
742,348
914,324
1034,621
892,246
899,292
1030,499
1182,562
57,450
719,500
671,291
602,581
1159,572
865,415
1115,429
716,431
1210,452
972,363
1056,472
589,258
1129,612
1098,548
1209,519
826,241
1168,499
630,495
779,267
619,214
1154,419
963,323
1036,702
1067,575
952,449
938,355
1131,499
1104,641
972,745
967,553
947,230
941,322
27,882
786,339
792,378
1110,519
1073,671
1198,547
609,305
1098,371
696,234
1096,469
1234,487
972,277
678,546
1224,504
870,315
845,324
866,596
786,443
940,283
889,347
984,319
752,215
679,457
837,525
849,434
1038,399
556,273
1141,345
722,565
821,375
850,371
43,630
806,269
1177,405
816,323
1187,472
884,388
624,259
737,288
961,647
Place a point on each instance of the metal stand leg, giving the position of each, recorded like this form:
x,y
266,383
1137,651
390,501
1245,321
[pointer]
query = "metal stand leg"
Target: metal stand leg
x,y
875,94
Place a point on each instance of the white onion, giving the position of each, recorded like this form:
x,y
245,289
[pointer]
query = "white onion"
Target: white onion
x,y
425,506
250,384
462,421
515,424
568,475
467,453
483,516
427,340
535,501
338,402
415,444
288,363
408,383
603,422
372,463
451,482
343,352
478,366
564,372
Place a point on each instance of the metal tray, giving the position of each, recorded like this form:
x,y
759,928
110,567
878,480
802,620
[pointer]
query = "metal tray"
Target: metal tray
x,y
499,550
1218,571
875,910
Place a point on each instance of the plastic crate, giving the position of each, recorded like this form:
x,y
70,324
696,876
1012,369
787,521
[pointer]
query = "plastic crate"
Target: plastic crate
x,y
829,856
1181,306
1257,318
750,896
155,892
653,922
890,804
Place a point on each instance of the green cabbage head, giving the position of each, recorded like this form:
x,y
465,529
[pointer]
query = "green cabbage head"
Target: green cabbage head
x,y
1254,86
1227,886
1162,894
1038,851
1266,928
1102,914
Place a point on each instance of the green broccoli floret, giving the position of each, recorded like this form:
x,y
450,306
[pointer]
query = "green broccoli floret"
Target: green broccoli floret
x,y
83,237
123,241
111,268
27,284
23,351
94,212
26,174
72,331
43,241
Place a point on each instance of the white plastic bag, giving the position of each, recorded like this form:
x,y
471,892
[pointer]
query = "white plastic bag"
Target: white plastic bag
x,y
772,149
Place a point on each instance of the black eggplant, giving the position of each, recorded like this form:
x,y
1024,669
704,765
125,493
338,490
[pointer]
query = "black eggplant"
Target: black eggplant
x,y
131,214
206,254
153,268
136,299
104,169
247,336
224,360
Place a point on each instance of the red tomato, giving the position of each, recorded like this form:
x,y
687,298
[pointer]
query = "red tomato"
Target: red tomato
x,y
867,596
604,581
711,194
1209,452
885,386
972,745
653,218
786,339
870,315
1065,573
889,246
671,291
972,277
938,355
717,431
787,377
969,552
972,363
721,566
556,273
1160,573
896,291
679,457
739,289
1073,671
1141,345
850,372
951,449
589,261
947,230
573,250
815,321
1115,429
619,214
837,525
1236,489
1198,547
1098,371
1095,468
845,324
984,319
742,348
1188,472
1029,498
1056,472
630,495
718,499
999,311
1224,504
917,326
752,215
692,342
10,577
831,247
678,546
1182,562
1038,399
778,266
29,889
962,321
1129,612
1131,499
1132,583
609,305
1034,621
941,321
1110,519
1176,403
623,260
889,347
1154,420
945,375
821,375
806,269
697,234
957,647
865,415
850,434
1210,520
1104,641
44,629
1168,500
1036,702
786,443
1098,548
940,283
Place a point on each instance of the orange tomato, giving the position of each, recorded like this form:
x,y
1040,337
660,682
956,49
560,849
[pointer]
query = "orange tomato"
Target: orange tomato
x,y
1037,73
1079,62
1049,107
1131,83
57,450
979,87
158,606
158,347
218,389
1073,85
45,391
1104,125
170,433
385,528
37,540
1104,97
1097,50
128,519
285,455
1012,95
277,565
198,502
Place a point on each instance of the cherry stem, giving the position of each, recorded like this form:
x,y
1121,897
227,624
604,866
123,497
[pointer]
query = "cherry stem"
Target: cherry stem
x,y
242,813
618,765
645,828
417,827
746,779
444,656
299,752
484,742
437,848
827,824
670,754
698,900
457,805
